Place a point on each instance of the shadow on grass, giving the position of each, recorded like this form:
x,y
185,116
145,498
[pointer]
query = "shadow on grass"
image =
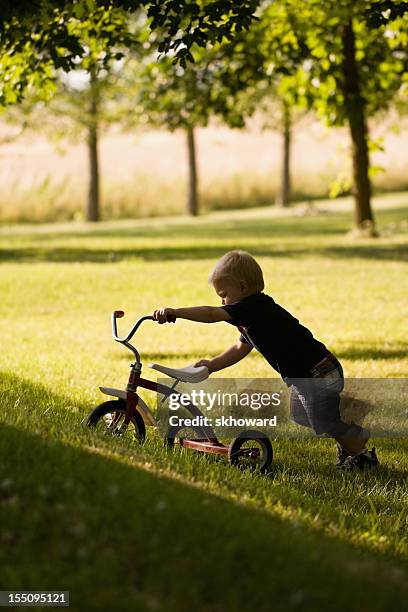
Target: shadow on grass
x,y
281,232
193,252
374,352
115,535
265,227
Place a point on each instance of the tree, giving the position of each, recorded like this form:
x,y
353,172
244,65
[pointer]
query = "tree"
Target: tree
x,y
175,97
337,64
166,95
84,104
36,37
283,196
93,204
355,71
258,73
84,101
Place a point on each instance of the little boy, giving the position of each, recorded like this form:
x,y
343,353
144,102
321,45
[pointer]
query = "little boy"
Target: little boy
x,y
305,364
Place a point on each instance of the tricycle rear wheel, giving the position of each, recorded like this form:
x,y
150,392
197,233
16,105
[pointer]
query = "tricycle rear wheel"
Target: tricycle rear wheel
x,y
251,449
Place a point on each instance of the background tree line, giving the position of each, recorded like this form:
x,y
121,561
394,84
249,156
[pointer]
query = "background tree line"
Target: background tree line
x,y
178,64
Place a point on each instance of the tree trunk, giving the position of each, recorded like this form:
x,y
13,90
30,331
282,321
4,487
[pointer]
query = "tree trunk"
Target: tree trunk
x,y
93,204
192,203
284,192
356,114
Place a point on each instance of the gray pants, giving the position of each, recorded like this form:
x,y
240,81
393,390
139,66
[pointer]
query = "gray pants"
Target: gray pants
x,y
315,403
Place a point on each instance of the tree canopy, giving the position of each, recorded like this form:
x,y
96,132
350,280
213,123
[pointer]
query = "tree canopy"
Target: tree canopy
x,y
37,35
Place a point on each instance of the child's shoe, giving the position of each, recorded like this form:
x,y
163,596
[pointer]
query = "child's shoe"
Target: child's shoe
x,y
364,460
341,455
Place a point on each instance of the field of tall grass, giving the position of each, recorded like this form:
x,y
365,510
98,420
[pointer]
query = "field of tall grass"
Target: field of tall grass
x,y
145,174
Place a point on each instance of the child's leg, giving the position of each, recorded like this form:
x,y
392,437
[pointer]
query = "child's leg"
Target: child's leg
x,y
353,445
297,410
321,403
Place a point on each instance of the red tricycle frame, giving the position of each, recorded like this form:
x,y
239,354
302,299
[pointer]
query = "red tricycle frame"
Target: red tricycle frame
x,y
137,409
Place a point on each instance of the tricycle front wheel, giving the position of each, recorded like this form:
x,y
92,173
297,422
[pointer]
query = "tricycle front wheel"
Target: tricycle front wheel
x,y
109,417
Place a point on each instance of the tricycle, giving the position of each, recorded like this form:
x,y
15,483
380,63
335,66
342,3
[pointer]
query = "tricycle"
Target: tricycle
x,y
250,448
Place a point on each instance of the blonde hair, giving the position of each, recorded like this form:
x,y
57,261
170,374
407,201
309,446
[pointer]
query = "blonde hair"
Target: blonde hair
x,y
239,265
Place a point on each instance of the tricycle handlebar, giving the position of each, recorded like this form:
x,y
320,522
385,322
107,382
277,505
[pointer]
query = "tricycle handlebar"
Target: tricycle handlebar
x,y
118,314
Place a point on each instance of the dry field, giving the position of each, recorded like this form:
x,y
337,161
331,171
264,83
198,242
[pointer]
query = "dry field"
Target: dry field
x,y
145,173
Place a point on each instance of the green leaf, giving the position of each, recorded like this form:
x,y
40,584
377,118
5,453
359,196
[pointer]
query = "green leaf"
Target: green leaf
x,y
79,10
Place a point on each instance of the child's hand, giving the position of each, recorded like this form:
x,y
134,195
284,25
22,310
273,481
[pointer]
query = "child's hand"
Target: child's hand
x,y
165,315
204,362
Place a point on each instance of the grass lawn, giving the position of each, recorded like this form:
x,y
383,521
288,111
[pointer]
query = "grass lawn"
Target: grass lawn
x,y
135,527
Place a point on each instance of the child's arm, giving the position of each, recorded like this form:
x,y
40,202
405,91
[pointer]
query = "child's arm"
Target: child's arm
x,y
232,355
202,314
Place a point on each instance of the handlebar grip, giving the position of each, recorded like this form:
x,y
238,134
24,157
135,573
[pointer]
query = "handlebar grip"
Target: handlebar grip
x,y
118,314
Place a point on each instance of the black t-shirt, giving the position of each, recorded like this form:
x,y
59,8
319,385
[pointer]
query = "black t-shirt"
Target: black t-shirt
x,y
288,346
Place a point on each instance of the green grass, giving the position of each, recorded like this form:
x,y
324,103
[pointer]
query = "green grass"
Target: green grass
x,y
138,527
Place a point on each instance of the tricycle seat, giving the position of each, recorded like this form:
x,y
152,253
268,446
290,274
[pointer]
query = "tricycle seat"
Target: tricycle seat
x,y
189,374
